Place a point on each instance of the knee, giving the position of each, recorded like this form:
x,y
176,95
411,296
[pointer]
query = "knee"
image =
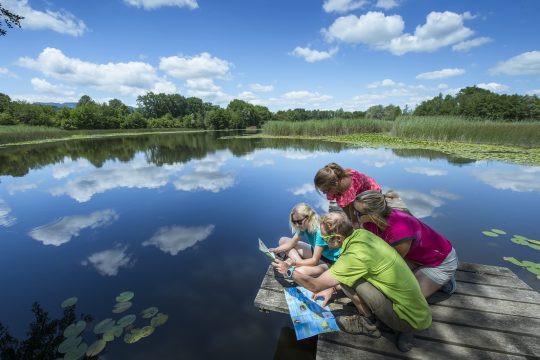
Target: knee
x,y
284,240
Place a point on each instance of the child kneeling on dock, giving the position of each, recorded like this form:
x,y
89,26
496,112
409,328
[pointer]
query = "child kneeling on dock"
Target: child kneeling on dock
x,y
374,276
315,256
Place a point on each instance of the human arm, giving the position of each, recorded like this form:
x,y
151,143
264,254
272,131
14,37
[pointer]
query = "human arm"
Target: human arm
x,y
314,284
403,246
325,294
312,261
287,245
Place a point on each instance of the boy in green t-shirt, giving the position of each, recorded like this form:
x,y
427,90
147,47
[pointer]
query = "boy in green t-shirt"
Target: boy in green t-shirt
x,y
373,276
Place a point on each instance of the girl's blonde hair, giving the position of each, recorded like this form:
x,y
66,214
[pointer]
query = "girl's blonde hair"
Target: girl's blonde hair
x,y
328,177
376,208
305,210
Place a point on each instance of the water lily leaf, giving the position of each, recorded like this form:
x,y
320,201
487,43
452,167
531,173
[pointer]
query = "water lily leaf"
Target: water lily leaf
x,y
127,320
535,247
69,344
77,353
497,231
114,332
69,302
159,320
125,296
148,313
520,237
533,241
489,233
108,336
121,307
131,338
96,348
533,269
103,326
146,331
519,241
75,329
513,260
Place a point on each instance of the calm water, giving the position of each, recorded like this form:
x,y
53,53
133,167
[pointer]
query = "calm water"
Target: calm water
x,y
175,219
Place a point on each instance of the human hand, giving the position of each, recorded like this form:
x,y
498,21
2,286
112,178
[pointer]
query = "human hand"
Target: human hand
x,y
325,294
280,266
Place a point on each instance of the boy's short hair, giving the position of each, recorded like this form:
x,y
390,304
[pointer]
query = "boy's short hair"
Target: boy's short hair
x,y
337,223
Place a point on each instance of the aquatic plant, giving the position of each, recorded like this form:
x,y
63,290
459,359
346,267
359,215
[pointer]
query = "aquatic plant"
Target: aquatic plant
x,y
69,302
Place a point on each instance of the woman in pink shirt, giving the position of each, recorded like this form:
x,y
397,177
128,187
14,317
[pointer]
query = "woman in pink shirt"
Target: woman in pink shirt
x,y
342,185
430,255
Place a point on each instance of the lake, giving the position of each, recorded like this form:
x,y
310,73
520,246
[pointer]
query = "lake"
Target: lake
x,y
175,219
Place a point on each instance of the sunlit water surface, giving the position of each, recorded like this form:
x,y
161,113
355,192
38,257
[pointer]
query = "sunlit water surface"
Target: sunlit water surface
x,y
175,219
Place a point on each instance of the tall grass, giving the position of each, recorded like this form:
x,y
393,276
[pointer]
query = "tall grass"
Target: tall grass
x,y
449,128
326,127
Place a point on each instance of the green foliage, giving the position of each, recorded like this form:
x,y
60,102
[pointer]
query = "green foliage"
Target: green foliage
x,y
304,115
326,127
9,18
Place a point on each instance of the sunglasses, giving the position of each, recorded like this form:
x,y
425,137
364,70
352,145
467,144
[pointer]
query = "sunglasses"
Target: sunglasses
x,y
299,222
328,237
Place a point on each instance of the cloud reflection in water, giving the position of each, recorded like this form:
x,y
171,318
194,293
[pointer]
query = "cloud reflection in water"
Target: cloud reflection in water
x,y
174,239
108,262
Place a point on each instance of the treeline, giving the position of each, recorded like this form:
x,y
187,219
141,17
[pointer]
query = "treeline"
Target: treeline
x,y
474,102
153,111
378,112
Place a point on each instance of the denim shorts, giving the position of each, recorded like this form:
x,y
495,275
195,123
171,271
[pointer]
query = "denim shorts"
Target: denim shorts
x,y
443,273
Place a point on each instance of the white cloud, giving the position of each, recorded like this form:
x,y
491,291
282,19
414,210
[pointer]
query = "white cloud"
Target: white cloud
x,y
493,86
199,66
263,162
261,88
132,78
527,63
62,230
372,99
534,92
426,171
174,239
60,21
373,28
469,44
440,74
207,90
445,194
386,4
313,55
155,4
306,96
7,72
6,219
440,30
519,181
247,95
43,86
303,189
342,6
213,181
69,166
109,262
420,205
384,83
22,187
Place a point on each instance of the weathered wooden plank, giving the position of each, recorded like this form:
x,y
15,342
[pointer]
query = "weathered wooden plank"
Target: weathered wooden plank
x,y
342,343
329,351
486,269
489,279
497,292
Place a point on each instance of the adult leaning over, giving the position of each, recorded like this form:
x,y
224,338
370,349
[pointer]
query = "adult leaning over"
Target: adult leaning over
x,y
431,255
373,276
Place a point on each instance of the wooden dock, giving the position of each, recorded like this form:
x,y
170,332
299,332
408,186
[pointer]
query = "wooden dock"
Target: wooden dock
x,y
492,315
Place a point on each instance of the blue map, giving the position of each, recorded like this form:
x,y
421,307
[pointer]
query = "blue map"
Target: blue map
x,y
309,317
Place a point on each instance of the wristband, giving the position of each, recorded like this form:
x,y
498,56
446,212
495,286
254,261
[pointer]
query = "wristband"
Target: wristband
x,y
290,272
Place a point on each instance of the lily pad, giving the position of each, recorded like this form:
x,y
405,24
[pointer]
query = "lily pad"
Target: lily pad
x,y
533,241
75,329
127,320
69,302
490,233
513,260
103,326
131,338
519,241
150,312
498,231
528,263
520,237
535,247
534,270
159,320
121,307
77,353
146,331
125,296
69,344
96,348
108,336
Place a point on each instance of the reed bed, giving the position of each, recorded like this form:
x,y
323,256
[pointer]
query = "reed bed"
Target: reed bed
x,y
326,127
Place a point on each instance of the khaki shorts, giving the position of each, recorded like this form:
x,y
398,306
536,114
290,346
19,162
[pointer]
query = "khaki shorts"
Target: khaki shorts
x,y
443,273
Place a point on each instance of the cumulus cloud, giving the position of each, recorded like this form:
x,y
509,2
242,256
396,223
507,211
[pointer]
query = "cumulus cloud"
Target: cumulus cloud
x,y
21,187
384,83
43,86
426,171
132,78
342,6
261,88
373,28
493,86
311,55
465,46
440,74
199,66
109,262
207,90
62,230
213,181
174,239
5,218
307,96
519,181
59,21
303,189
387,4
155,4
527,63
7,72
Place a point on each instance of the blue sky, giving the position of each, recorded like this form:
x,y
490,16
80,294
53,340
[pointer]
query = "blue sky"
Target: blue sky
x,y
283,54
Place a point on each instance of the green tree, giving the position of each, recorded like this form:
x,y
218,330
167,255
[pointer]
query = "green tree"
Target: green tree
x,y
5,101
8,18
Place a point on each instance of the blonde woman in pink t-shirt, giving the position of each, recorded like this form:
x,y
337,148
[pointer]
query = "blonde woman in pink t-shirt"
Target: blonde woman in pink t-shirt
x,y
428,253
342,185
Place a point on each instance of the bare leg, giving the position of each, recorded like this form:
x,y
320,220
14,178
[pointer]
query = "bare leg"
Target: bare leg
x,y
312,270
301,251
362,307
427,285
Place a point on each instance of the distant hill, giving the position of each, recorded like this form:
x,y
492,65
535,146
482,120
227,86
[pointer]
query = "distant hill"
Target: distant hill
x,y
70,105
